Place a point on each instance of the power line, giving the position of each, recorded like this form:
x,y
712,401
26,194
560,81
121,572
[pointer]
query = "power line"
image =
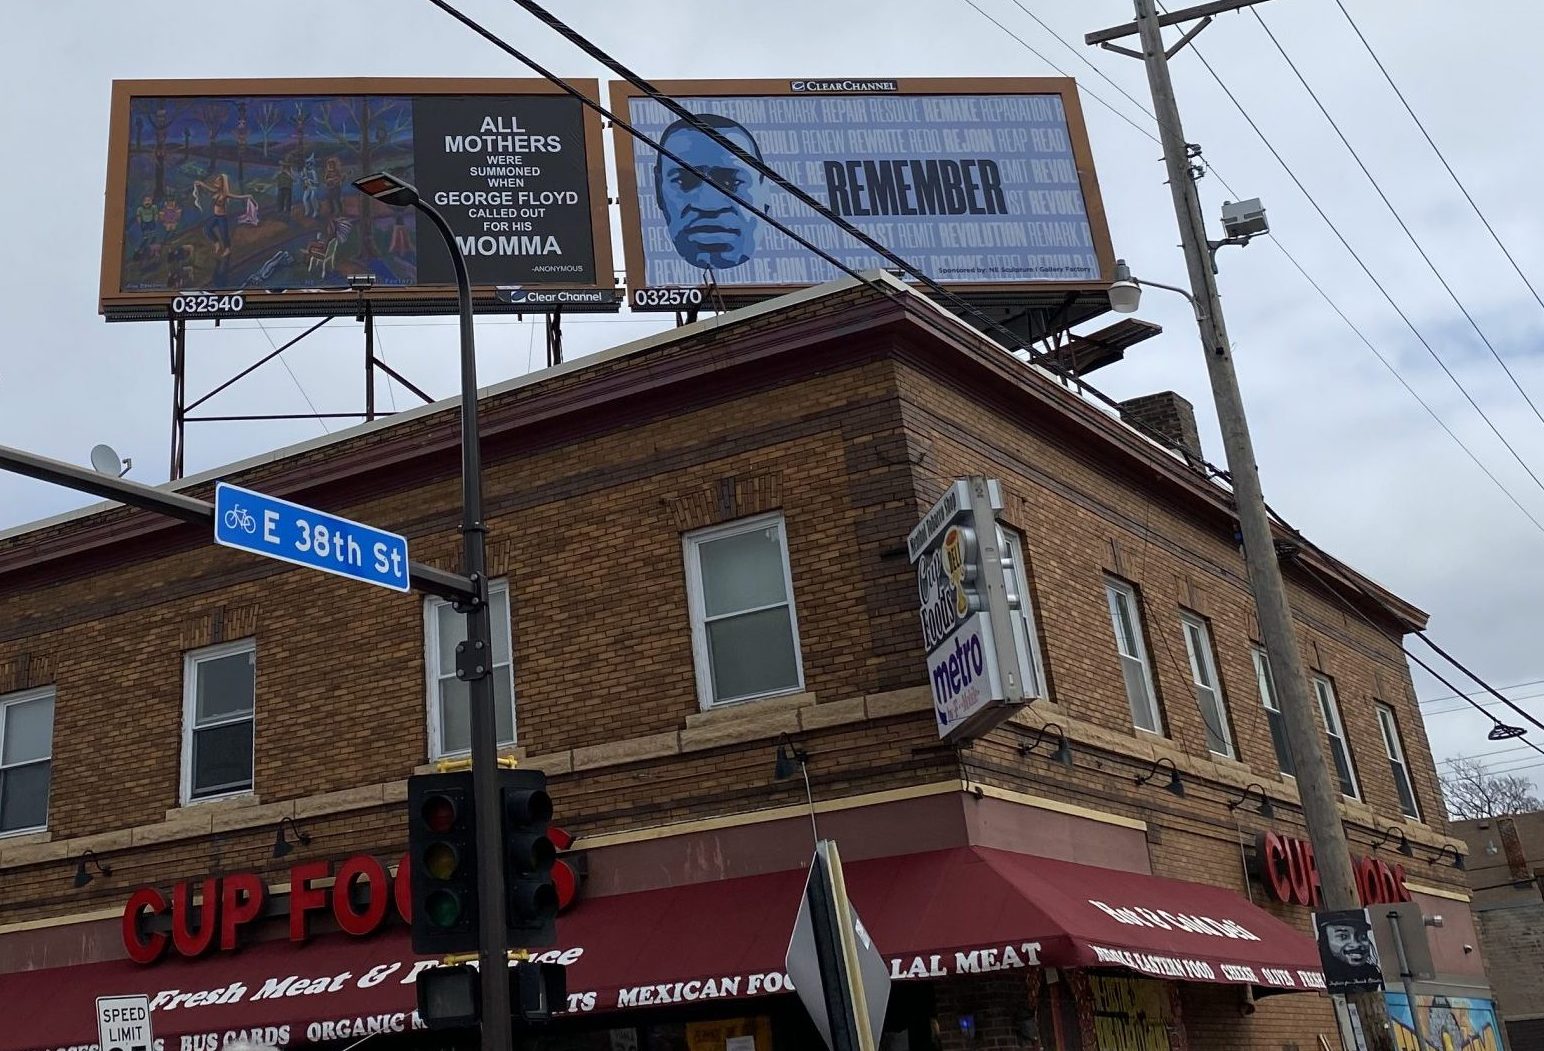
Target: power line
x,y
1041,56
1253,124
1460,696
1488,688
1397,217
942,294
1085,60
1483,704
1435,149
316,412
1282,248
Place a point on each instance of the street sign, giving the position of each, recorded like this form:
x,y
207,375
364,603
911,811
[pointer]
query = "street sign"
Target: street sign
x,y
304,536
123,1023
841,978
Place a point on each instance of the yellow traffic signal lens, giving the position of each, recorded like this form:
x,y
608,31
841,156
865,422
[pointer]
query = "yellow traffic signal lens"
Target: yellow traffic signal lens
x,y
441,860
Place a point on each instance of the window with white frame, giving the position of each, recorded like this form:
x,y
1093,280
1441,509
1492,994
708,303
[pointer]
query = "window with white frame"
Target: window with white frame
x,y
745,634
1126,618
450,705
219,699
1203,674
1340,748
1017,576
26,759
1395,750
1267,685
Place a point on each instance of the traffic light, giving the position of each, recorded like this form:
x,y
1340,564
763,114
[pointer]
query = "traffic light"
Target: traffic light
x,y
531,896
537,990
442,849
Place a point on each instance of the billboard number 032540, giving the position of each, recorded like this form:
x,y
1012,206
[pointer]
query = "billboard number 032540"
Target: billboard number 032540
x,y
202,303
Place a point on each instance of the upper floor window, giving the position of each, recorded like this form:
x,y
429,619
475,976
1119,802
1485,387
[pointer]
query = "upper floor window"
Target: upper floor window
x,y
1340,748
1395,750
1203,674
26,753
1267,685
745,634
450,705
1017,579
1126,618
219,699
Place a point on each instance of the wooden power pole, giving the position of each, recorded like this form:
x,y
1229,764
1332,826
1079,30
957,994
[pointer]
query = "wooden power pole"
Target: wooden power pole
x,y
1318,790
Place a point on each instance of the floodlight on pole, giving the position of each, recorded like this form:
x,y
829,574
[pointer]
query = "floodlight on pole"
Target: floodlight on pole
x,y
1126,291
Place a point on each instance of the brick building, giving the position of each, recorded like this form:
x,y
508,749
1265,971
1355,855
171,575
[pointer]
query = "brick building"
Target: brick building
x,y
700,544
1506,872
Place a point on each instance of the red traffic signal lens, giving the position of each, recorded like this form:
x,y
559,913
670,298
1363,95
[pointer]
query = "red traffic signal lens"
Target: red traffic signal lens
x,y
443,908
441,860
439,813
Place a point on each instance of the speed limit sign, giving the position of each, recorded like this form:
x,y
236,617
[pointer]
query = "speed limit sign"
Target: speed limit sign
x,y
123,1023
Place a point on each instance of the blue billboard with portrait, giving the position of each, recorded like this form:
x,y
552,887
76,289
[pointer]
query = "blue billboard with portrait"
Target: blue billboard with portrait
x,y
982,188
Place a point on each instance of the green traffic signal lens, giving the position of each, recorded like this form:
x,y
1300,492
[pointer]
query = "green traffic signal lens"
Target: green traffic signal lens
x,y
441,860
443,908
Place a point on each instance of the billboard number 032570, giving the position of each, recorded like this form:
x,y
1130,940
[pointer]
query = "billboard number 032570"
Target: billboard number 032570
x,y
202,303
667,297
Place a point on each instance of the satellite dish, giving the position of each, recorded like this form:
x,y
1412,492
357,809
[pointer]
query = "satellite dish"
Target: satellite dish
x,y
105,460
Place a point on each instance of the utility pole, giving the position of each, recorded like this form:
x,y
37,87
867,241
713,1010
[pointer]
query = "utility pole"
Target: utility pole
x,y
1316,788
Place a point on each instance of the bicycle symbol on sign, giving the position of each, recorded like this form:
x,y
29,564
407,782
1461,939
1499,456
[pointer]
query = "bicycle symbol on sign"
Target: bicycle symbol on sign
x,y
240,516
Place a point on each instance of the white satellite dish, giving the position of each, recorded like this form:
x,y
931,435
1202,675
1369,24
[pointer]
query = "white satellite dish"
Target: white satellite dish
x,y
105,460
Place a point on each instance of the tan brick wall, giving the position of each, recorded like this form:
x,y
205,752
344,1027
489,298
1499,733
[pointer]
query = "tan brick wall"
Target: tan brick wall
x,y
1513,939
586,511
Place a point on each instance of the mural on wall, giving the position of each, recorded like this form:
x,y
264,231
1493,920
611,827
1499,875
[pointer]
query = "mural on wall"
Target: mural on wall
x,y
1451,1023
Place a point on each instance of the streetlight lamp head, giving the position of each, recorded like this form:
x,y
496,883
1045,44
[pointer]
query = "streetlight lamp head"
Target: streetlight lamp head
x,y
388,189
1125,292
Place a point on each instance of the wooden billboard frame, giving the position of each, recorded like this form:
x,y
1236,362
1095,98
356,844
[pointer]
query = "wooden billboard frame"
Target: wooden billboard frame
x,y
996,292
118,305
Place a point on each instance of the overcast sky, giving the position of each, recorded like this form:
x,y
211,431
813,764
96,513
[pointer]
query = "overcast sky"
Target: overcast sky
x,y
1347,455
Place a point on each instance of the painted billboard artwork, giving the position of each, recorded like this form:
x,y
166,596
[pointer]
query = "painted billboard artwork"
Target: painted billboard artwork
x,y
230,193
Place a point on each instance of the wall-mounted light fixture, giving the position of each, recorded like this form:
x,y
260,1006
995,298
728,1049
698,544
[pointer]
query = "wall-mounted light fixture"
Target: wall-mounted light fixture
x,y
82,877
1062,753
1266,809
1175,785
281,846
1458,859
1404,844
791,757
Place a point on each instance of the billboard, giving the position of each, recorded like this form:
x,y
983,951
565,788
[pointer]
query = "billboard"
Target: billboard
x,y
986,186
237,195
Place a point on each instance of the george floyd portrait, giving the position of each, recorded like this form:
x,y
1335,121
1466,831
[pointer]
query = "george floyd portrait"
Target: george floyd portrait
x,y
1347,951
707,227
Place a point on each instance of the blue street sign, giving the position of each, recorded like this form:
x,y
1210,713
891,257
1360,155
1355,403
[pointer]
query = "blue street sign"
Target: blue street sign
x,y
266,525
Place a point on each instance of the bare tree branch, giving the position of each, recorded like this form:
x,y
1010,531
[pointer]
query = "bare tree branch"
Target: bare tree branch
x,y
1472,792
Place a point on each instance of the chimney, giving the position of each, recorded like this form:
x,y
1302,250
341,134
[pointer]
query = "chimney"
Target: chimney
x,y
1168,415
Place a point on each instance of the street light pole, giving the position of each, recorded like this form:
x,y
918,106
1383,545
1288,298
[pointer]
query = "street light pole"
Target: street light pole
x,y
1317,791
474,657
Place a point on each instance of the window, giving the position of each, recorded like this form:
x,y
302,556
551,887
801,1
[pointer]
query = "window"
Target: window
x,y
1397,765
1126,618
745,636
26,752
1262,668
1340,748
1017,577
450,703
219,693
1203,672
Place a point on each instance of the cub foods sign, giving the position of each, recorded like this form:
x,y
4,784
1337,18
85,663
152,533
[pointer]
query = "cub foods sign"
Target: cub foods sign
x,y
977,649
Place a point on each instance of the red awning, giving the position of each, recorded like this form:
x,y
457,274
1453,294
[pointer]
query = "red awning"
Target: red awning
x,y
958,911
